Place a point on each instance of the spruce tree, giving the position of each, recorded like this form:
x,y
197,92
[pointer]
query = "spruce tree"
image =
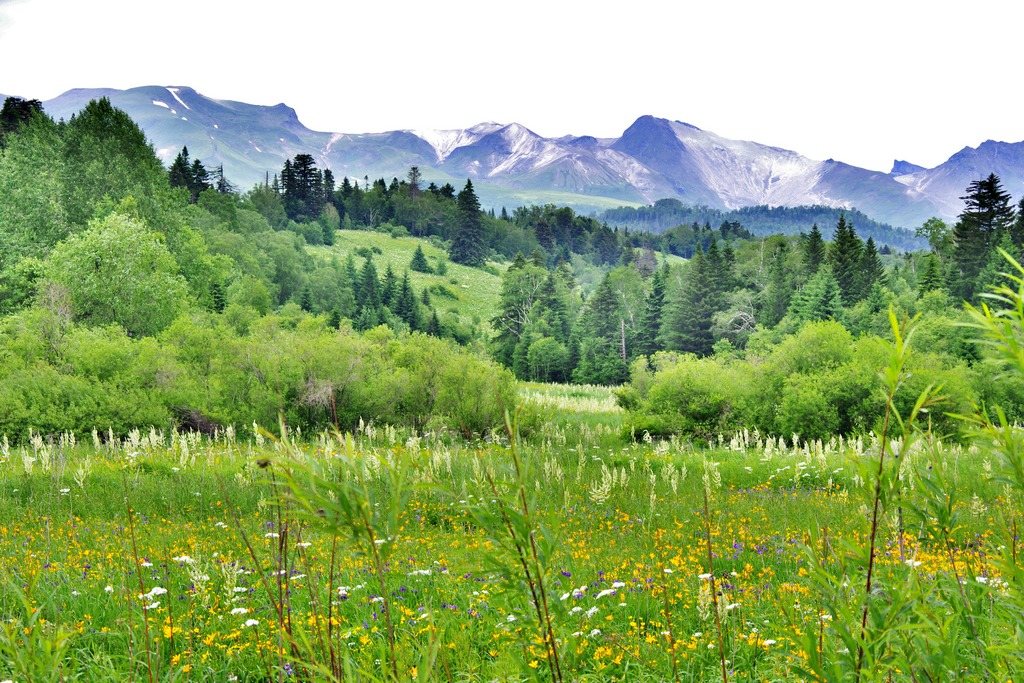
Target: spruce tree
x,y
779,291
600,355
406,306
814,250
369,287
467,246
845,259
1017,229
931,277
199,179
647,343
987,213
180,173
434,324
819,299
871,270
689,313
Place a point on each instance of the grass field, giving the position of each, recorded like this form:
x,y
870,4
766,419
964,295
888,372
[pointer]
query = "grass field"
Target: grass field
x,y
470,293
178,557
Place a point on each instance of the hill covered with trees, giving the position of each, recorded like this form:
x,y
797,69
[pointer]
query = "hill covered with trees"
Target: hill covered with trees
x,y
132,294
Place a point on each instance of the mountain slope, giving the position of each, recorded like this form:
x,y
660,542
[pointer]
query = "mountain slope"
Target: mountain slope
x,y
510,164
948,181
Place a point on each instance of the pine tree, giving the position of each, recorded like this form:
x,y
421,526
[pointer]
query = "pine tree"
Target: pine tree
x,y
845,259
647,343
814,250
987,213
467,246
419,261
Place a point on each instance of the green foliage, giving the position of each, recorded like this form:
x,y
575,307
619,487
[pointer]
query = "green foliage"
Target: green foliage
x,y
468,245
119,272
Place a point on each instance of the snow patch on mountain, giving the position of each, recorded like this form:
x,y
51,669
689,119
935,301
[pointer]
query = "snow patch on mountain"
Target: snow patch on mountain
x,y
161,104
175,95
445,142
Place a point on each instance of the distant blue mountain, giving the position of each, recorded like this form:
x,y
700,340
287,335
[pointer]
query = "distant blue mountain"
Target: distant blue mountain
x,y
654,158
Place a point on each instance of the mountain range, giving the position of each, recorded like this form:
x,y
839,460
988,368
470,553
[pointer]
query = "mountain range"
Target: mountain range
x,y
654,158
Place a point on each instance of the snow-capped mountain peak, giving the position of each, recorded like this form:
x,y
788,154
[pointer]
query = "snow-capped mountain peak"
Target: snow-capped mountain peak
x,y
654,158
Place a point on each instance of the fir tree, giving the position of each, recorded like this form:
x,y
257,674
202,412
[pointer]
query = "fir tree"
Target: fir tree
x,y
388,287
217,297
434,324
814,250
819,299
419,261
689,313
467,246
405,306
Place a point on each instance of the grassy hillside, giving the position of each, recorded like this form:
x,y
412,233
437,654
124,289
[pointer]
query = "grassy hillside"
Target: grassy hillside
x,y
470,293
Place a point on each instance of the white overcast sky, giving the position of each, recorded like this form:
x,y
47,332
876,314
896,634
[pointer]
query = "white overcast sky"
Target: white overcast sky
x,y
864,82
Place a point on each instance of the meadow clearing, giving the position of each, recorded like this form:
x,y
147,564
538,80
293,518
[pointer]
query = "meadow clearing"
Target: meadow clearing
x,y
379,554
